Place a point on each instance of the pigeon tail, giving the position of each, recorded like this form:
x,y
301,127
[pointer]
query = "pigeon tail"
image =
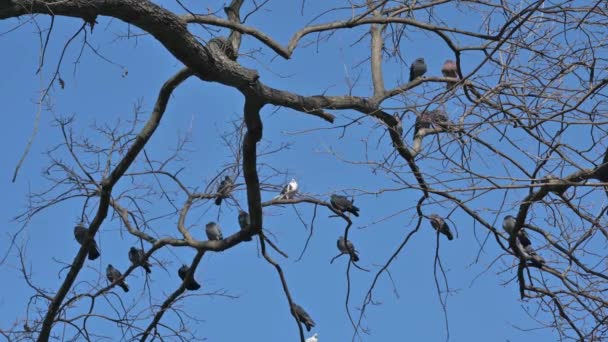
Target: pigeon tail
x,y
449,235
124,286
146,267
193,285
218,200
93,251
354,257
354,210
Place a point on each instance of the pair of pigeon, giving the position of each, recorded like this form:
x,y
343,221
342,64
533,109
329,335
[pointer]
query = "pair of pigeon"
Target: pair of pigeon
x,y
227,185
214,231
114,275
449,69
508,224
137,257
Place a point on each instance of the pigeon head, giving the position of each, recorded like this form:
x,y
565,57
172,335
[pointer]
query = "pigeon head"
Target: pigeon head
x,y
132,249
509,217
419,60
110,266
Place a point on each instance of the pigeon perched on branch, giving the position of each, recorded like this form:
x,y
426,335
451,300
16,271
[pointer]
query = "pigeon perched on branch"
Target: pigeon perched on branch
x,y
113,275
137,258
80,233
417,69
508,224
224,190
342,204
244,222
303,317
191,285
213,230
289,190
441,226
347,247
450,69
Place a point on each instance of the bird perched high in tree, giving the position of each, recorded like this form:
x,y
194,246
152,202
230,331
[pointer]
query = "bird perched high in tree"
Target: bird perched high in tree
x,y
80,234
191,284
303,317
213,230
289,190
224,190
137,257
113,275
342,204
508,224
347,247
450,69
245,222
424,120
417,69
224,45
441,226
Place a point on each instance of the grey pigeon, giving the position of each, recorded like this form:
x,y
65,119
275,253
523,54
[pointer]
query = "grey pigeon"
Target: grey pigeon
x,y
303,317
441,226
450,69
348,248
424,120
224,190
244,222
417,69
213,230
508,224
113,274
342,204
137,258
191,285
80,233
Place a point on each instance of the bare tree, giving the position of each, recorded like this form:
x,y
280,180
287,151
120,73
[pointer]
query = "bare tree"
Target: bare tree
x,y
514,126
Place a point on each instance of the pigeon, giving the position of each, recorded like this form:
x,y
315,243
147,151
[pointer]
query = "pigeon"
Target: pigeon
x,y
313,338
191,285
137,258
303,317
508,224
441,226
225,46
417,69
113,274
399,125
80,233
342,204
602,176
213,230
348,248
450,69
244,222
424,120
289,190
224,190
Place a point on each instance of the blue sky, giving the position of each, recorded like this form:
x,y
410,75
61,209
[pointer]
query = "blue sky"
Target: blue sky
x,y
484,304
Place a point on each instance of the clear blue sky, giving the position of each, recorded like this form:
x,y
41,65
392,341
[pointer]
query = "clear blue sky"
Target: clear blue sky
x,y
484,304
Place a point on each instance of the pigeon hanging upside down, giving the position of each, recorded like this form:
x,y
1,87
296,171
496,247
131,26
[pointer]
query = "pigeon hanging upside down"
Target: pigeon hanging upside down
x,y
224,190
441,226
113,275
137,258
347,247
342,204
303,317
289,190
80,234
417,69
191,285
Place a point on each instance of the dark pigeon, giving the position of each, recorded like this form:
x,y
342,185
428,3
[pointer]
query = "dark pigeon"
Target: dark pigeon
x,y
113,274
224,190
191,285
417,69
450,69
348,248
303,317
508,224
213,230
244,222
342,204
80,233
441,226
137,258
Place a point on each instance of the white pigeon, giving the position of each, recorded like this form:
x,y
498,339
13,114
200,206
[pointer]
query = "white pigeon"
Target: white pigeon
x,y
288,190
313,338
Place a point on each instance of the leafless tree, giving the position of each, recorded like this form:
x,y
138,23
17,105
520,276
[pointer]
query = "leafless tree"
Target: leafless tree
x,y
519,131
